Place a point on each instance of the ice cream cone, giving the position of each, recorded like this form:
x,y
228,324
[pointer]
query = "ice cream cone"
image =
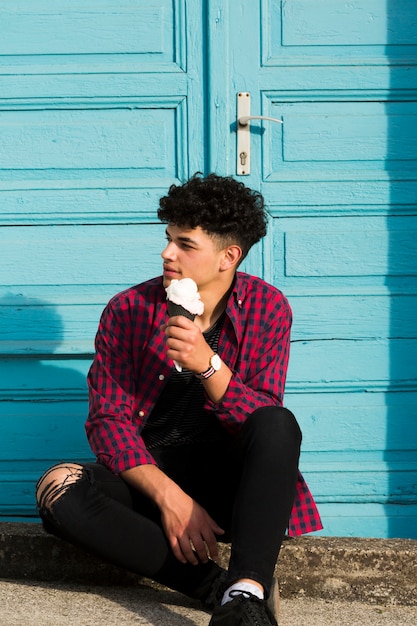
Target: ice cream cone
x,y
178,309
183,299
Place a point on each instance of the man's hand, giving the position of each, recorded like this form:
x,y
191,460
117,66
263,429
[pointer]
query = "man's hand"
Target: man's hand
x,y
186,344
190,529
186,524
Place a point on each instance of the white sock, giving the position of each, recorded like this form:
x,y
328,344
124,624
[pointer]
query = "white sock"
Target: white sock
x,y
253,589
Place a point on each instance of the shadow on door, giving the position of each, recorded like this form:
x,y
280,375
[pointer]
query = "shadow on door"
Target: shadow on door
x,y
401,413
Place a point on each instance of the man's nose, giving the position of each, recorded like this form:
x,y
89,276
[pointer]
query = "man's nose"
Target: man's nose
x,y
169,251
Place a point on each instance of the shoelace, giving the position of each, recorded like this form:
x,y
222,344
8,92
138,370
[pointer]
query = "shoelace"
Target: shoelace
x,y
256,608
242,592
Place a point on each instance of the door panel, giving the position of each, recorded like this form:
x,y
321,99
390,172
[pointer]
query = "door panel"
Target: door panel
x,y
361,30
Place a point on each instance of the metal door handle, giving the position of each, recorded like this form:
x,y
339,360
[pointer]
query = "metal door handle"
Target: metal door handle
x,y
243,132
244,121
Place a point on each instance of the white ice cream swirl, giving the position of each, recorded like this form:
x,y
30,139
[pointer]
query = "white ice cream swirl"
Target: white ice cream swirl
x,y
185,293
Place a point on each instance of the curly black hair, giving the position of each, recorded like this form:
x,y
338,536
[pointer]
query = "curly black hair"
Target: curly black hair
x,y
223,207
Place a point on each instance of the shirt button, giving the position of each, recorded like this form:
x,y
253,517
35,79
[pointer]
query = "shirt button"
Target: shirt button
x,y
239,302
161,377
141,413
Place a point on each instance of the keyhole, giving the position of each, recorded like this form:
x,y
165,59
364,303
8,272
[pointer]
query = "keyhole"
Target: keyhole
x,y
243,156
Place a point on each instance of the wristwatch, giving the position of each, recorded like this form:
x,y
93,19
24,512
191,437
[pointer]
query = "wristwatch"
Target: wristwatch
x,y
215,365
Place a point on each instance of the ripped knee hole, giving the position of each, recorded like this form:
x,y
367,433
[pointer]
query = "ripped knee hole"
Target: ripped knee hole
x,y
55,483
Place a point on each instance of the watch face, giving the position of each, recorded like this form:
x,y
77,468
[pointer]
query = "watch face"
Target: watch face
x,y
215,362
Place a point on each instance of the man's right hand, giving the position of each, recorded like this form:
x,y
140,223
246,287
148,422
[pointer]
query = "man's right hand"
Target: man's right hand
x,y
189,528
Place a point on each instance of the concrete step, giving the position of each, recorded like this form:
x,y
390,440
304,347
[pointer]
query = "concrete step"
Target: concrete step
x,y
380,571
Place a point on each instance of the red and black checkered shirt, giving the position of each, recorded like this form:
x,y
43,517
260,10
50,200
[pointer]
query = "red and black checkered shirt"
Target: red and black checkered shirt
x,y
131,368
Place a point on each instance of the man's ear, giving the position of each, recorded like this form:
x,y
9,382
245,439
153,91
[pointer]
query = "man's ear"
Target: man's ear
x,y
231,257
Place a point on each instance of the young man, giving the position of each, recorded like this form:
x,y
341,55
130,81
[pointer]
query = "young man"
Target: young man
x,y
185,459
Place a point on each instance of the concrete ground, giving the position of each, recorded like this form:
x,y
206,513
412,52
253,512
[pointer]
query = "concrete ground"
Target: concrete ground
x,y
323,582
52,604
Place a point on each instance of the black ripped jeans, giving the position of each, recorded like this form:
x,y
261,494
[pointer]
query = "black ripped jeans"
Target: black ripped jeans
x,y
246,483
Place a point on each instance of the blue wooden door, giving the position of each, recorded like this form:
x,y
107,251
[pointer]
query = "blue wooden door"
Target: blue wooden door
x,y
103,106
101,109
339,176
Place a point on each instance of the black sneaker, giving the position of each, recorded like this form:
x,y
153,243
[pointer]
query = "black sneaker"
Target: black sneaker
x,y
212,597
244,610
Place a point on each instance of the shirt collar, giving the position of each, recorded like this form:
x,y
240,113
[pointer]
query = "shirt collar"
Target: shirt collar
x,y
238,294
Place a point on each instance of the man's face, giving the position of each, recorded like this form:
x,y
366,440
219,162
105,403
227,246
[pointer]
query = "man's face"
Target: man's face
x,y
190,253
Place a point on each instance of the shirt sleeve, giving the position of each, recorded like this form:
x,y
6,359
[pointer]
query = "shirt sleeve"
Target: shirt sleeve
x,y
261,367
112,427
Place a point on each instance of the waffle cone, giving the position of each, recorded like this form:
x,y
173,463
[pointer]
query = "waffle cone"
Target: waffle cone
x,y
178,309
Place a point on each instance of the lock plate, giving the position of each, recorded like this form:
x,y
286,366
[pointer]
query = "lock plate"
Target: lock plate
x,y
243,135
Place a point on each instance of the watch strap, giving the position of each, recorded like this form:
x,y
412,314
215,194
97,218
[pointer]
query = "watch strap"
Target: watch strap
x,y
209,372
